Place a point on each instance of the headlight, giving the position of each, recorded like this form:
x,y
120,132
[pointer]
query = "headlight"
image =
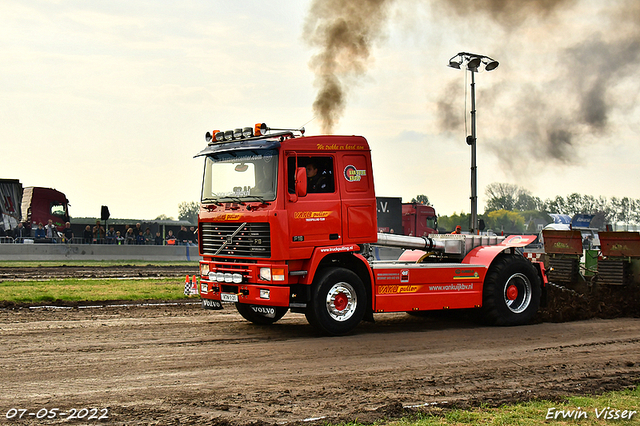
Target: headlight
x,y
265,274
204,269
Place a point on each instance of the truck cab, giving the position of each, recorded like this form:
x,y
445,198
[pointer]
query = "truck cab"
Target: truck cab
x,y
286,221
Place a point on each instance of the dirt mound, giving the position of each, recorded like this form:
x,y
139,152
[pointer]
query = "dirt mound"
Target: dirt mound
x,y
579,301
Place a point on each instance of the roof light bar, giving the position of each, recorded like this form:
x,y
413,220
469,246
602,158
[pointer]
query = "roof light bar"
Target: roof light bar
x,y
260,129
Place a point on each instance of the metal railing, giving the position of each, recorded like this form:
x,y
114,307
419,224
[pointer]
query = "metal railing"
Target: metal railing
x,y
80,240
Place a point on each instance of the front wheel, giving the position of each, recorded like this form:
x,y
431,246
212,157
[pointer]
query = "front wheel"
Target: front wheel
x,y
338,301
511,294
261,315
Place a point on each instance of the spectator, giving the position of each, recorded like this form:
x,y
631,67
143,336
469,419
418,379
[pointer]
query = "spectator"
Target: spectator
x,y
458,230
40,232
20,233
171,239
183,237
140,239
137,229
87,235
148,237
68,233
98,233
192,236
158,240
119,238
51,231
111,235
129,237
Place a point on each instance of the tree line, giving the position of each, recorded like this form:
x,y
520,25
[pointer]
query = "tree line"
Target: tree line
x,y
514,209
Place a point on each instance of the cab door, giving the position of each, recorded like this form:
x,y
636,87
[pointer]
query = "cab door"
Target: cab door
x,y
314,219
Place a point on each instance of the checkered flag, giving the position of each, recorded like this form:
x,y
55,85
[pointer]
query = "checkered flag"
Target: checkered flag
x,y
187,286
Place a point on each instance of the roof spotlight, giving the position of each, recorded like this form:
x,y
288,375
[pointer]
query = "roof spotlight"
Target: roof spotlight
x,y
490,64
474,63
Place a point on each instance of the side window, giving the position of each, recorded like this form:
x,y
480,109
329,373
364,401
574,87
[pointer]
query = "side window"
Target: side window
x,y
57,209
320,174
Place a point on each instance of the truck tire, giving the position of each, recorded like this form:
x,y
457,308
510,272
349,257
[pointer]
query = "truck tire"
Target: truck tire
x,y
511,293
338,301
248,313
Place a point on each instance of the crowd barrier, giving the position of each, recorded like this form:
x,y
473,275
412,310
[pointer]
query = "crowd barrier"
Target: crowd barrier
x,y
73,251
78,240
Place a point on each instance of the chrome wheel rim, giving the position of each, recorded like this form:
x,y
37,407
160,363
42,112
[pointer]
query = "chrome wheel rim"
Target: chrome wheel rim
x,y
341,301
517,293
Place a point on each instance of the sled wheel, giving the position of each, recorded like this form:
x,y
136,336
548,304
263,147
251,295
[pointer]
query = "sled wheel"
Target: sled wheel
x,y
511,294
338,301
249,314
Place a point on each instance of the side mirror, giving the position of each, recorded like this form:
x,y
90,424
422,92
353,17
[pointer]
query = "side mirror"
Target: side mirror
x,y
301,182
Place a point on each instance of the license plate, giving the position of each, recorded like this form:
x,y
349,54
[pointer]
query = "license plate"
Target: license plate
x,y
211,304
228,297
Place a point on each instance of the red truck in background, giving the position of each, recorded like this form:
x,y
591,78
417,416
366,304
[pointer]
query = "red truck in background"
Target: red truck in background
x,y
31,205
287,221
415,219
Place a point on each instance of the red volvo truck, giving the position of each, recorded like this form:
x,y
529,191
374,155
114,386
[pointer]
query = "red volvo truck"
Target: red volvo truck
x,y
396,217
31,205
286,223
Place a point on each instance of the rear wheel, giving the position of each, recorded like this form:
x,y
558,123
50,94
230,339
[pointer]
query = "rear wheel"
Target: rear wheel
x,y
511,294
338,301
261,315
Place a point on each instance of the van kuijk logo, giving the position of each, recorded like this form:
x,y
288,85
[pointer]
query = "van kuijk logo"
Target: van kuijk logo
x,y
352,174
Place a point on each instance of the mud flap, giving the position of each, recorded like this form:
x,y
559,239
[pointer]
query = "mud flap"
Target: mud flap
x,y
265,311
211,304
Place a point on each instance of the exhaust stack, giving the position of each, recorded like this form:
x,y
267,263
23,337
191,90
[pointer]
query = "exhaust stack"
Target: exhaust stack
x,y
408,242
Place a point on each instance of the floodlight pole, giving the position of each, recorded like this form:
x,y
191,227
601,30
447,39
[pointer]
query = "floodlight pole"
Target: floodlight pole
x,y
474,166
472,63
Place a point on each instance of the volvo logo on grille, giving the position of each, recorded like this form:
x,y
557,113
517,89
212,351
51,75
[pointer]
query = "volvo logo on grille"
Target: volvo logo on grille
x,y
229,239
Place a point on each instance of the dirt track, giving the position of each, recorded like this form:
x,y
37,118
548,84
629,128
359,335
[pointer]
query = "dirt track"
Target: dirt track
x,y
183,365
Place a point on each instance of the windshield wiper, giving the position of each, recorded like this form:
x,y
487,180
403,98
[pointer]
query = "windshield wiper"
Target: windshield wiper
x,y
230,199
255,198
211,200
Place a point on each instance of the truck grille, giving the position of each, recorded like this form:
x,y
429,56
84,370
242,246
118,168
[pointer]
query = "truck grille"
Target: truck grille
x,y
250,239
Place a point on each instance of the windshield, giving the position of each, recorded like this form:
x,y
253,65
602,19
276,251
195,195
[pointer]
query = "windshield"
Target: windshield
x,y
240,176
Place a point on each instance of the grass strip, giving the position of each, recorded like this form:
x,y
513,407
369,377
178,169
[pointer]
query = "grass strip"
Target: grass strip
x,y
75,290
611,408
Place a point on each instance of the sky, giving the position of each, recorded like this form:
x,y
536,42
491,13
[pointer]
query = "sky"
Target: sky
x,y
109,102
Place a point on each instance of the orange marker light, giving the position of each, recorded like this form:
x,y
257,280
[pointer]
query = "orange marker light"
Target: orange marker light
x,y
277,274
